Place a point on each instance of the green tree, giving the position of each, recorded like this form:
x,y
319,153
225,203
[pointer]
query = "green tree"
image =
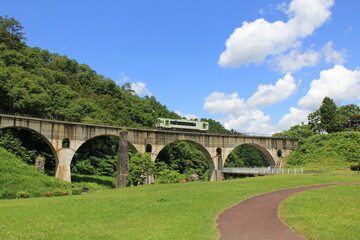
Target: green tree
x,y
326,118
246,156
10,33
346,113
297,131
140,166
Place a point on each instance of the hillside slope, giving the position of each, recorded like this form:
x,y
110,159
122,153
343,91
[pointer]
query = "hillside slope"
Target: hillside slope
x,y
327,152
16,175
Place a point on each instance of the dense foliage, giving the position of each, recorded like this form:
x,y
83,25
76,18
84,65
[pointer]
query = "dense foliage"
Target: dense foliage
x,y
327,151
246,156
36,82
329,118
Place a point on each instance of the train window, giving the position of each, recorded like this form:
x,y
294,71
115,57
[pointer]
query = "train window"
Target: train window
x,y
166,122
204,125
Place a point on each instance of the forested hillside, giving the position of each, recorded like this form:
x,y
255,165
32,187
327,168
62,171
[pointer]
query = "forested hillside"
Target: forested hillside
x,y
36,82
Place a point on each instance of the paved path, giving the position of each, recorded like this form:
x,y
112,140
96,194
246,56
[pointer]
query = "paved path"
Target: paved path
x,y
257,217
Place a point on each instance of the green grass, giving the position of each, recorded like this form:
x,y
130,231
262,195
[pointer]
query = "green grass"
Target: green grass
x,y
94,183
16,175
327,214
164,211
324,153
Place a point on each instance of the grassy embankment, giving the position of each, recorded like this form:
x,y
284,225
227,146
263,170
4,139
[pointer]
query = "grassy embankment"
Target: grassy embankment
x,y
327,153
168,211
17,176
326,214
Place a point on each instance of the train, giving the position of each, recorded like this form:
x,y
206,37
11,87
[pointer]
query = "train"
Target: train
x,y
182,125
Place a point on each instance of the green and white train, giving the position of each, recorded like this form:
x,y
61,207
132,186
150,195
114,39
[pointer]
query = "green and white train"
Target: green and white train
x,y
182,124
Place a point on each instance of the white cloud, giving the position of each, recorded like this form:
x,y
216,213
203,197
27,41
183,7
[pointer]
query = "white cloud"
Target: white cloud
x,y
333,56
187,116
267,95
261,11
140,89
250,121
253,41
294,61
123,78
295,117
338,83
244,116
218,102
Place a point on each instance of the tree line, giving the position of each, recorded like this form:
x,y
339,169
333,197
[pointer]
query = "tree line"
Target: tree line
x,y
36,82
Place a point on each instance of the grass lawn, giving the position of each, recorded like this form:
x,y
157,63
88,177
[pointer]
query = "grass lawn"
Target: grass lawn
x,y
327,213
169,211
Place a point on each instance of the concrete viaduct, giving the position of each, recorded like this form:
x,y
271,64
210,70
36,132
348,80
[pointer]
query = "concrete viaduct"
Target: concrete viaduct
x,y
215,147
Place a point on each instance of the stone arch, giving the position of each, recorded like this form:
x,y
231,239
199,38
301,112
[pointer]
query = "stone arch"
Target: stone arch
x,y
267,154
206,153
45,139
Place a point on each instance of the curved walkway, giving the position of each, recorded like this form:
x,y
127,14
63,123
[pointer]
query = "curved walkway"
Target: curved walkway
x,y
257,217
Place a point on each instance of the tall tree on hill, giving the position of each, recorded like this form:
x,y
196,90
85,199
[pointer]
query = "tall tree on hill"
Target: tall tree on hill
x,y
328,116
325,119
10,33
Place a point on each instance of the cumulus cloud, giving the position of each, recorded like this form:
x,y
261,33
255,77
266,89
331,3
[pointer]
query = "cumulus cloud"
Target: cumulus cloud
x,y
244,115
267,95
295,117
333,56
253,41
338,83
250,121
218,102
140,89
187,116
295,60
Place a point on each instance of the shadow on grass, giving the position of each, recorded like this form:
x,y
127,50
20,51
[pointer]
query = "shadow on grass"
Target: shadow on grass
x,y
106,181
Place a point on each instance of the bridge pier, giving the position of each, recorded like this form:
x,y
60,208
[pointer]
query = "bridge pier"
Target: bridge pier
x,y
64,157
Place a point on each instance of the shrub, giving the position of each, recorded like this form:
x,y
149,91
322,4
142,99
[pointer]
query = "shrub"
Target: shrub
x,y
355,166
59,192
76,191
7,194
48,194
22,194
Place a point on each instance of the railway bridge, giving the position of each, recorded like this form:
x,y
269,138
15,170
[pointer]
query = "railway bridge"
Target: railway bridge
x,y
65,138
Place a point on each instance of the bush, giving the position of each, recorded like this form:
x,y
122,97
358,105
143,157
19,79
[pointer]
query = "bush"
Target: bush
x,y
355,166
48,194
76,191
22,194
59,192
7,194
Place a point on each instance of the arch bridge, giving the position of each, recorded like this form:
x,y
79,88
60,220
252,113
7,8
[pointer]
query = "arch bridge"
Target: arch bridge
x,y
65,138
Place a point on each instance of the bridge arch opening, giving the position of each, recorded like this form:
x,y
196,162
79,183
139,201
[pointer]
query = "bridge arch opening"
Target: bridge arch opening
x,y
186,158
280,153
249,155
65,143
148,148
97,156
29,145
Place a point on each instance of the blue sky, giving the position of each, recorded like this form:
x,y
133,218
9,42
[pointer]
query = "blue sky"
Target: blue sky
x,y
257,66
